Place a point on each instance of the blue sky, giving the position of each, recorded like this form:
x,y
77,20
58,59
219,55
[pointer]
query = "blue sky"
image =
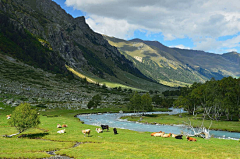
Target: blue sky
x,y
208,25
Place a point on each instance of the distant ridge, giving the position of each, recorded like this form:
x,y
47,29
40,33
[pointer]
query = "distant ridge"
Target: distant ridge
x,y
177,67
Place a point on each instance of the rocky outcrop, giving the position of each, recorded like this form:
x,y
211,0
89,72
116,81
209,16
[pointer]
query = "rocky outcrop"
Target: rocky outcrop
x,y
71,37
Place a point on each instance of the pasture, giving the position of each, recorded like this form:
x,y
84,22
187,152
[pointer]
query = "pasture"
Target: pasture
x,y
126,144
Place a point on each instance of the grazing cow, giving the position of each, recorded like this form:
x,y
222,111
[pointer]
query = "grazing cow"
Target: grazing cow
x,y
115,131
191,139
59,126
179,137
61,131
99,130
87,131
159,134
64,125
105,127
8,116
167,135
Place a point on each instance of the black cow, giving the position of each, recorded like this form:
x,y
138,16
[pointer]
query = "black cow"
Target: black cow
x,y
115,131
178,137
105,127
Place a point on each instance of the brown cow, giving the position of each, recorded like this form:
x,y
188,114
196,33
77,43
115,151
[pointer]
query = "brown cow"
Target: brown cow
x,y
191,139
64,125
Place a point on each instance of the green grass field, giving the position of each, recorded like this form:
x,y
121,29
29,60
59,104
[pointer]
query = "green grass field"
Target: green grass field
x,y
126,144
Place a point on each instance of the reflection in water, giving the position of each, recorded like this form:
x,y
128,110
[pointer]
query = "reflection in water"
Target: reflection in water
x,y
113,121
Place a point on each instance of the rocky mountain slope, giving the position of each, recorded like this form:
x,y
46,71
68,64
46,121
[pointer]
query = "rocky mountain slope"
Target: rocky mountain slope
x,y
176,67
42,34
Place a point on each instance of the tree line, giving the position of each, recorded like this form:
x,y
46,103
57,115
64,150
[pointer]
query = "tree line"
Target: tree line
x,y
216,99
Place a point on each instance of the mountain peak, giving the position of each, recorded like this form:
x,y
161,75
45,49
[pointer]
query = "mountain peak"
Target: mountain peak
x,y
136,40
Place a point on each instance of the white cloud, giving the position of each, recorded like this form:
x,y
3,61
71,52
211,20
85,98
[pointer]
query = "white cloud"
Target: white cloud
x,y
203,21
180,47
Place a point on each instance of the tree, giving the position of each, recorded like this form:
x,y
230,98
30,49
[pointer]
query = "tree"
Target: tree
x,y
157,99
23,117
94,102
146,102
90,104
135,102
96,99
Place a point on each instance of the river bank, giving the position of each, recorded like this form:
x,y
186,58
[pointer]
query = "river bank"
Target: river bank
x,y
165,119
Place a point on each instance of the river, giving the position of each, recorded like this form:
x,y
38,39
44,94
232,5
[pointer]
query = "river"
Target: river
x,y
113,120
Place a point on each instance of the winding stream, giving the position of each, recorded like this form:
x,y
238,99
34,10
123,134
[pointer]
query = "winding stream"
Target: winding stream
x,y
113,120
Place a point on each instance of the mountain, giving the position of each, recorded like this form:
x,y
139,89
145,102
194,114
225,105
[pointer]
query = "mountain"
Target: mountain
x,y
177,67
43,35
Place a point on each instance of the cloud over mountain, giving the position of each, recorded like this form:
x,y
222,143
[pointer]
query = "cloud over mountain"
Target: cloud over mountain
x,y
203,21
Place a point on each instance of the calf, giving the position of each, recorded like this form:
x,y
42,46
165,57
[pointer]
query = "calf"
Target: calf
x,y
99,130
178,137
87,131
115,131
105,127
191,139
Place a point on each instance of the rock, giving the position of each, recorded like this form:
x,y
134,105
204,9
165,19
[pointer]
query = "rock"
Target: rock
x,y
9,101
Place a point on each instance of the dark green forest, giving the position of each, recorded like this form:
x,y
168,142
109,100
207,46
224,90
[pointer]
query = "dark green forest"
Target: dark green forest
x,y
215,99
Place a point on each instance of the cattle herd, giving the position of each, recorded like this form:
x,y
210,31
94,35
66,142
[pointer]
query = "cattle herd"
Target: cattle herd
x,y
100,130
87,131
162,134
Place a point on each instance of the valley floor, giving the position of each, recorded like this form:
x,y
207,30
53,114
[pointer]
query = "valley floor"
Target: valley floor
x,y
127,144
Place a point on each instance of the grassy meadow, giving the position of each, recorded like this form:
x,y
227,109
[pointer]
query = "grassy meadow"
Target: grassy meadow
x,y
126,144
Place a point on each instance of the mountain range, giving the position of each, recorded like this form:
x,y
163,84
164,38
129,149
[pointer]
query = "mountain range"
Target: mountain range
x,y
174,66
41,34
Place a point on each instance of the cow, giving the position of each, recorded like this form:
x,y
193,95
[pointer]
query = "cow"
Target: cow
x,y
191,139
59,126
105,127
61,131
99,130
179,137
159,134
87,131
166,135
9,116
64,125
115,131
152,134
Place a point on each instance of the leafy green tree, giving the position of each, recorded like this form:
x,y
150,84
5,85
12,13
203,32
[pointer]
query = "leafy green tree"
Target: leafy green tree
x,y
135,102
146,102
157,99
96,99
24,117
90,104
